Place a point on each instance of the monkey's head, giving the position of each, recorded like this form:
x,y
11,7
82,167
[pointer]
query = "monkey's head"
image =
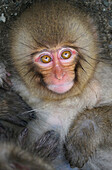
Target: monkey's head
x,y
54,49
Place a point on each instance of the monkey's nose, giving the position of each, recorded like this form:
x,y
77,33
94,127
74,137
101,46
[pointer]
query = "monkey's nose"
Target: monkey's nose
x,y
59,72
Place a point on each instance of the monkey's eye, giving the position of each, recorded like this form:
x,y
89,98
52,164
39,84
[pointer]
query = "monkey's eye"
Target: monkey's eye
x,y
46,58
66,54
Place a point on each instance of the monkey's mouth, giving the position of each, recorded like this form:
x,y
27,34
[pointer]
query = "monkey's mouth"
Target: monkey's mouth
x,y
61,88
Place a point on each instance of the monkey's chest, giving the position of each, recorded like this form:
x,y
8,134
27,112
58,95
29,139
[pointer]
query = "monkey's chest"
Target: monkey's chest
x,y
53,118
60,120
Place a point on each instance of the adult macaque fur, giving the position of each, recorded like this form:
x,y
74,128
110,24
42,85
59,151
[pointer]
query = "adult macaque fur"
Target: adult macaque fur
x,y
59,73
15,114
12,157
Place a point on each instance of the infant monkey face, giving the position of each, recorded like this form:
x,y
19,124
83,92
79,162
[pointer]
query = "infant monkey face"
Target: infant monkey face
x,y
57,67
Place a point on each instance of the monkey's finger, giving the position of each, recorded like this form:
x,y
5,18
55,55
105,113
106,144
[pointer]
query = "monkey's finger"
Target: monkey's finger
x,y
6,83
23,137
48,145
46,139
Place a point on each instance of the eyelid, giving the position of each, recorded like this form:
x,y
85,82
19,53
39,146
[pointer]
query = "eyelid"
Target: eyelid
x,y
65,49
44,53
68,49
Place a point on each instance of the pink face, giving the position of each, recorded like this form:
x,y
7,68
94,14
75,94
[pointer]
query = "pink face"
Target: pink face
x,y
57,67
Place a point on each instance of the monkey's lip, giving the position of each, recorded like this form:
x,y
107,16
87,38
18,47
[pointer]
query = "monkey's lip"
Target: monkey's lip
x,y
61,88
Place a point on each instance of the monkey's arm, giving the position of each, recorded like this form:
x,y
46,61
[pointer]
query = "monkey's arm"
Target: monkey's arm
x,y
88,131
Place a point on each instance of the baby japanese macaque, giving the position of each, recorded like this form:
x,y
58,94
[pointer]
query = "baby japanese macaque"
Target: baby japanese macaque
x,y
59,74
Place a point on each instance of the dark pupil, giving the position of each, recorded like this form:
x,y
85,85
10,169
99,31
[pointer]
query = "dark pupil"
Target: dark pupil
x,y
46,57
65,53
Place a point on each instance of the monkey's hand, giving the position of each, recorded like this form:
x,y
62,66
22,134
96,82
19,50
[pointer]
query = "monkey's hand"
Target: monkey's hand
x,y
48,146
80,143
4,77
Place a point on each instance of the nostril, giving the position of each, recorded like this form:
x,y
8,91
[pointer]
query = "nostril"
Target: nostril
x,y
61,76
59,72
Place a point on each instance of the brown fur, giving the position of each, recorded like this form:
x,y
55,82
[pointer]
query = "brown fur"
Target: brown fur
x,y
89,133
